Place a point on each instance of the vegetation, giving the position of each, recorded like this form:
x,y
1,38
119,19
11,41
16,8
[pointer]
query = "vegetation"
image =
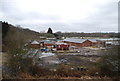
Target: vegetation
x,y
4,29
59,34
14,39
50,31
48,35
108,65
82,34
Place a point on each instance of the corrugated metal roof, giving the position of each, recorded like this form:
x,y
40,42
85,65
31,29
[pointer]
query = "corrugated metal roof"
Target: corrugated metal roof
x,y
109,39
59,43
35,42
47,41
93,40
79,40
113,43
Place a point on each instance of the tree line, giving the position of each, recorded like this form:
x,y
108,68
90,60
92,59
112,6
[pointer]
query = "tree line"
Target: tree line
x,y
75,34
60,34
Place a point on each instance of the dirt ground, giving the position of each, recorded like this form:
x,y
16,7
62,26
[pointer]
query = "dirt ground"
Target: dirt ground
x,y
0,65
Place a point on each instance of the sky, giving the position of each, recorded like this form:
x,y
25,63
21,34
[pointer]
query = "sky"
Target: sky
x,y
62,15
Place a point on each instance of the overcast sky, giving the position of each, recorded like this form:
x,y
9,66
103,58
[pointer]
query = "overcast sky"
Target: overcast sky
x,y
62,15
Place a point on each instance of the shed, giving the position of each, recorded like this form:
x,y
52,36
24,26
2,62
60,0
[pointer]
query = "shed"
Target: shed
x,y
35,44
47,43
62,46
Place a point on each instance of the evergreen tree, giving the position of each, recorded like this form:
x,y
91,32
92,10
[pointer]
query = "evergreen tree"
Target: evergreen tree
x,y
4,29
50,31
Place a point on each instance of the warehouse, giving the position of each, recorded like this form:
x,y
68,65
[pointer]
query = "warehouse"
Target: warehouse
x,y
84,42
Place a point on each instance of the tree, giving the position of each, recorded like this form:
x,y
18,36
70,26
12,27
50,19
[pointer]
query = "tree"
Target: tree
x,y
50,31
48,35
5,29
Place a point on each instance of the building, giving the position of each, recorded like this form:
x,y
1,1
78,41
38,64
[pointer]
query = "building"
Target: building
x,y
112,41
35,44
41,44
84,42
47,43
62,46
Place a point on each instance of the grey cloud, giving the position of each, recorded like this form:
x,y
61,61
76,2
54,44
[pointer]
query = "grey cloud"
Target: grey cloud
x,y
14,15
105,19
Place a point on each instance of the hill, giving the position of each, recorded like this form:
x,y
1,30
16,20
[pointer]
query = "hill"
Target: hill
x,y
16,37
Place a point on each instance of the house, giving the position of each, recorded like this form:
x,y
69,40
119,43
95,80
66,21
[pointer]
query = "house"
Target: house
x,y
47,43
84,42
62,46
35,44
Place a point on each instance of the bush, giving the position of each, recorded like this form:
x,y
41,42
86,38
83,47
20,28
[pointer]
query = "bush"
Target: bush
x,y
109,63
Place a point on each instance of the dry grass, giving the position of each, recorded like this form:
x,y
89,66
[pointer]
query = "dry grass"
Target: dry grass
x,y
25,75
